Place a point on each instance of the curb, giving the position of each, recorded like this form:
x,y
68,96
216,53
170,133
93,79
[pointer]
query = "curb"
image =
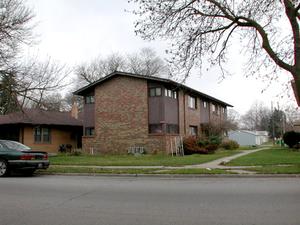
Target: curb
x,y
177,175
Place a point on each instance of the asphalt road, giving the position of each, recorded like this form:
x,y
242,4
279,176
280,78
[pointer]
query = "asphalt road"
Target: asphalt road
x,y
79,200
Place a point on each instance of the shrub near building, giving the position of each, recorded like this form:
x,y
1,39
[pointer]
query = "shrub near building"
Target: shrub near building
x,y
229,145
194,145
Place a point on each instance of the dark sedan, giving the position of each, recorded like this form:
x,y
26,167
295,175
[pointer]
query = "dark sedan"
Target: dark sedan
x,y
15,156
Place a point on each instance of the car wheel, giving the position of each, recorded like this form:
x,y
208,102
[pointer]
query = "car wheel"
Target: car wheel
x,y
3,168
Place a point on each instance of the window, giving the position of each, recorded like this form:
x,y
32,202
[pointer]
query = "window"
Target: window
x,y
89,99
171,94
175,94
193,130
172,128
205,104
192,102
155,128
46,135
154,92
42,135
37,135
89,131
223,110
214,108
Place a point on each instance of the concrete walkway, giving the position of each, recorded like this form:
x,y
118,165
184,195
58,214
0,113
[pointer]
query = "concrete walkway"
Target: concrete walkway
x,y
220,163
216,164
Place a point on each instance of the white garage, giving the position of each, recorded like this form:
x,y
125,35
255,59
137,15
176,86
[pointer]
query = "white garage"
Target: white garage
x,y
248,138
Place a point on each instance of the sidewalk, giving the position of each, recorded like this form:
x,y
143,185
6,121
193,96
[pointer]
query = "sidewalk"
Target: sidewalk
x,y
220,163
216,164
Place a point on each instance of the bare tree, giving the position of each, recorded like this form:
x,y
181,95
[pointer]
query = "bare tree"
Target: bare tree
x,y
232,119
56,102
206,29
29,82
292,114
23,83
145,62
15,29
257,117
99,67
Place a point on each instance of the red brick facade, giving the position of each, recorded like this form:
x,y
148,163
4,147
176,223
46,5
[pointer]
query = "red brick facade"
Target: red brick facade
x,y
122,117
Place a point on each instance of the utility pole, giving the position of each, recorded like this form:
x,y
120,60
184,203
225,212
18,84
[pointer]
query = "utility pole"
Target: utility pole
x,y
272,121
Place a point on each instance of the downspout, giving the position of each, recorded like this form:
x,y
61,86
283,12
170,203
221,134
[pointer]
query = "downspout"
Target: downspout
x,y
184,117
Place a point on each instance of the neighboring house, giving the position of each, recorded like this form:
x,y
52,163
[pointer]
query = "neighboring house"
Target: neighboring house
x,y
124,111
248,138
297,126
42,130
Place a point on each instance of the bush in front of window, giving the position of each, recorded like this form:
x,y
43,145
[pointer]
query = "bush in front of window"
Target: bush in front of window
x,y
191,146
194,145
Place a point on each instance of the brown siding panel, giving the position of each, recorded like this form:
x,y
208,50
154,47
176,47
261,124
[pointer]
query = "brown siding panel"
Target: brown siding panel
x,y
89,115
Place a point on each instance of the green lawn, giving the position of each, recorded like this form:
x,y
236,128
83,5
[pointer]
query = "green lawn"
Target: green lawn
x,y
142,160
272,156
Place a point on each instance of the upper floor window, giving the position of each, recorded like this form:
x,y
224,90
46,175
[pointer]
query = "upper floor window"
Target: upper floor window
x,y
214,108
223,110
170,93
42,135
89,99
192,102
205,104
155,92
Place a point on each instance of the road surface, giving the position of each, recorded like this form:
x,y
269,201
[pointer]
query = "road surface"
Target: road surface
x,y
84,200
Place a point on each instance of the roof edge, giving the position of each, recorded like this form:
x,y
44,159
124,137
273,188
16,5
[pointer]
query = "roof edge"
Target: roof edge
x,y
159,79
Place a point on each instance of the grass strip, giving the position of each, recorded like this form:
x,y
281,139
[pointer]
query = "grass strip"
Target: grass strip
x,y
66,169
277,169
89,170
195,171
141,160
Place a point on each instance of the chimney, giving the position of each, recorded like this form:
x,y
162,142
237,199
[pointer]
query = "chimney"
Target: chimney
x,y
74,110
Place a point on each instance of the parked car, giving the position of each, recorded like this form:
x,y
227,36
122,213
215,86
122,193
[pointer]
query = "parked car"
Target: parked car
x,y
15,156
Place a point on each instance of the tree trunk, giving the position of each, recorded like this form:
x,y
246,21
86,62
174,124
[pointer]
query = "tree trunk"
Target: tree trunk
x,y
296,89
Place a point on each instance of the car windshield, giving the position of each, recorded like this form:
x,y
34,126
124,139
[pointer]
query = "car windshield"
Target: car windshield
x,y
15,146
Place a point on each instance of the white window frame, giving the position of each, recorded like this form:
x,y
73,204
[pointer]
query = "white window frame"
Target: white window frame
x,y
192,102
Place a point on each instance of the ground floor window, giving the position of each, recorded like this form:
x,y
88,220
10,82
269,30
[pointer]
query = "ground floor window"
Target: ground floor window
x,y
89,131
172,129
193,130
155,128
42,135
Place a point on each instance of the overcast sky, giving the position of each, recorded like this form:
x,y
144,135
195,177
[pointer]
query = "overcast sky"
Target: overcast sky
x,y
76,31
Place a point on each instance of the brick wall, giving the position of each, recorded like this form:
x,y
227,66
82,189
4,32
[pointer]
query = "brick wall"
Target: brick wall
x,y
187,116
121,116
